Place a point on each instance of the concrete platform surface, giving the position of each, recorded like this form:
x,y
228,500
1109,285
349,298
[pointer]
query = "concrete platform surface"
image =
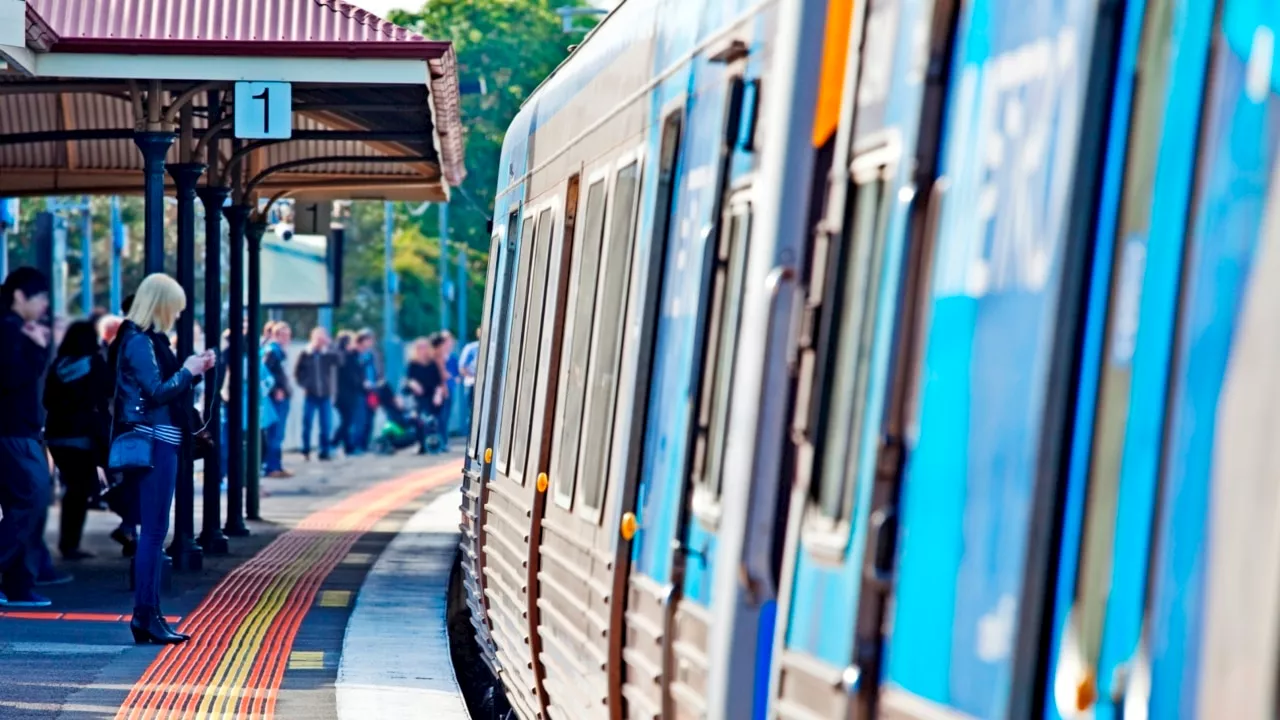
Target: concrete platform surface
x,y
395,661
268,621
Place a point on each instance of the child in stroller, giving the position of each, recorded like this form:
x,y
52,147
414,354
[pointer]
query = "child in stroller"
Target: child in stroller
x,y
405,425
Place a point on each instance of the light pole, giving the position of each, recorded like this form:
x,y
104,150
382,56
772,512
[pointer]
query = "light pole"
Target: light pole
x,y
86,260
117,249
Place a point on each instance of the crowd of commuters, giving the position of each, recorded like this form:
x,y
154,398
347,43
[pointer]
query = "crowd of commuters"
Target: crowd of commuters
x,y
109,404
72,396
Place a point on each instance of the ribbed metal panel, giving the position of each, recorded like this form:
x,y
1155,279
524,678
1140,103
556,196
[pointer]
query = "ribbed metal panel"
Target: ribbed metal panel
x,y
247,27
220,20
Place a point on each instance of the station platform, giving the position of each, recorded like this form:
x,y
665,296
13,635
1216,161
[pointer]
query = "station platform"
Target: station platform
x,y
334,608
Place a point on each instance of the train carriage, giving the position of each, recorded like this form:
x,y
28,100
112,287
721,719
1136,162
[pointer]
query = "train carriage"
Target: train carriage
x,y
623,219
860,359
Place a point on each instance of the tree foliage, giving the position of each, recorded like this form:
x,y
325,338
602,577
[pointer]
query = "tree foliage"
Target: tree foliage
x,y
512,45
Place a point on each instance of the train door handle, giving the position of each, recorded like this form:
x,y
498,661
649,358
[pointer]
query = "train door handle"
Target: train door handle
x,y
881,526
755,569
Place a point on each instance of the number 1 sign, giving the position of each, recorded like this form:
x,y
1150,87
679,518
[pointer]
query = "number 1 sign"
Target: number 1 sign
x,y
264,110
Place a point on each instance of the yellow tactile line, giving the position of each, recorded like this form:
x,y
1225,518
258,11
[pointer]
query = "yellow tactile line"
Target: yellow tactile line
x,y
232,671
229,678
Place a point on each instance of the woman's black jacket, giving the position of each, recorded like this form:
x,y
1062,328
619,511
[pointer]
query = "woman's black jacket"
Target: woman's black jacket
x,y
154,388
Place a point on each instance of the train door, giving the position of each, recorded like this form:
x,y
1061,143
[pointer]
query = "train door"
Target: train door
x,y
1102,666
855,362
1239,136
575,562
636,649
979,494
493,350
722,262
1091,504
512,493
669,554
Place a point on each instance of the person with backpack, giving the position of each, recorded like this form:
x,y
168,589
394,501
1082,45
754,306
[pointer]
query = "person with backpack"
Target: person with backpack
x,y
77,398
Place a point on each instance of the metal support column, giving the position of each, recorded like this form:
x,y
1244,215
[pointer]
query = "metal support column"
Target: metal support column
x,y
117,248
442,211
186,554
154,147
237,217
86,260
253,448
212,539
8,221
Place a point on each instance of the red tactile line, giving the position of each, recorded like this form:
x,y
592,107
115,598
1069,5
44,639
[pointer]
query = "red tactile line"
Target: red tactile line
x,y
212,627
178,678
75,616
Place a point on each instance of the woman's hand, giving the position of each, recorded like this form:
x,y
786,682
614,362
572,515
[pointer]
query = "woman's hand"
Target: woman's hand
x,y
414,386
198,364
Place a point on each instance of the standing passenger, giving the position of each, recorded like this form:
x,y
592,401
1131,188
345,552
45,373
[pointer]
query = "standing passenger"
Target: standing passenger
x,y
276,358
122,498
467,368
315,374
78,429
369,384
153,397
348,390
24,473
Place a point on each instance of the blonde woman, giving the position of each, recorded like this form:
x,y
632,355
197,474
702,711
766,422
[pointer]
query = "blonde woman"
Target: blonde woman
x,y
153,397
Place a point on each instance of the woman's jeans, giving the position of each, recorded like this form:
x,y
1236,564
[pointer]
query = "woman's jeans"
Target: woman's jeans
x,y
274,459
357,434
155,495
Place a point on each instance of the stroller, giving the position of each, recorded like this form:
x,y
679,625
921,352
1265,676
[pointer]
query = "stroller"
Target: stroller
x,y
405,426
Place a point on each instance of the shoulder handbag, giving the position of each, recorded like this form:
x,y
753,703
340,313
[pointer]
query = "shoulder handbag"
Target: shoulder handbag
x,y
130,450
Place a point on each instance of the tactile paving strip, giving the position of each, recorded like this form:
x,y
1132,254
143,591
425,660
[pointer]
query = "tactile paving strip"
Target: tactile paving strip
x,y
242,634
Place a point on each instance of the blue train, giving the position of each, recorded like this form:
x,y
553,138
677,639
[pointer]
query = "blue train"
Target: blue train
x,y
886,358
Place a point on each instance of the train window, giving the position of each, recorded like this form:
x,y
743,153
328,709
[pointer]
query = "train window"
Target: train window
x,y
1096,564
577,342
495,253
494,310
848,351
524,254
532,343
602,392
722,341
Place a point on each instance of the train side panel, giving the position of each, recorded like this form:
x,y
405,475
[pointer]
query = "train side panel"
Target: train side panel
x,y
965,602
1124,640
1238,152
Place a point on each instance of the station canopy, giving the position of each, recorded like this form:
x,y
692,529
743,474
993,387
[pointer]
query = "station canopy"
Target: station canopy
x,y
375,106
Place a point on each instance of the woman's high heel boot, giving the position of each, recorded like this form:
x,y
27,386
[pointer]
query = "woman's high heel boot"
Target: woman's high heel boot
x,y
160,614
149,627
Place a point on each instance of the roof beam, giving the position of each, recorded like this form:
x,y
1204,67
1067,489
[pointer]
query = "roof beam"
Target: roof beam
x,y
363,71
17,57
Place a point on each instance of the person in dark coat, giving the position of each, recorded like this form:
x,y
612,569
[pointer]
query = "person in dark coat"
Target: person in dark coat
x,y
316,373
153,397
78,427
24,471
122,498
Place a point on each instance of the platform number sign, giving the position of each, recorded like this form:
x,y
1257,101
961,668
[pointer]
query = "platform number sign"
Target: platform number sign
x,y
264,110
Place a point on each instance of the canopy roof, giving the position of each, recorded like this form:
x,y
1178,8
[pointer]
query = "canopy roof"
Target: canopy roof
x,y
376,110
